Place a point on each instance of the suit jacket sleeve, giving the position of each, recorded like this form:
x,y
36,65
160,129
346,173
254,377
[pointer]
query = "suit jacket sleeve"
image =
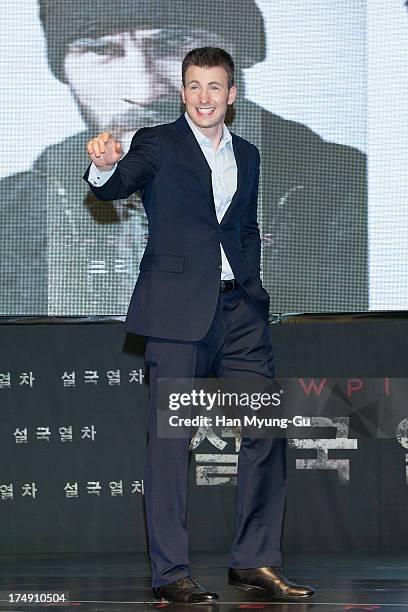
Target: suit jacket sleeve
x,y
135,171
250,236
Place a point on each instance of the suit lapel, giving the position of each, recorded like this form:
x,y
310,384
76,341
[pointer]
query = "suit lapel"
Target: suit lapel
x,y
196,158
203,170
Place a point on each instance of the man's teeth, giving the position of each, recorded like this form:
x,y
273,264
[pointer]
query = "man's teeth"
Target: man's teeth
x,y
205,110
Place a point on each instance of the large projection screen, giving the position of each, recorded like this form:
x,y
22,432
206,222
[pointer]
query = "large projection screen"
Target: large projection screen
x,y
72,68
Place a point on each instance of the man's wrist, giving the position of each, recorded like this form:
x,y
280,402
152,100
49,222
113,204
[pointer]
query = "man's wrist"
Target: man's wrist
x,y
104,168
98,177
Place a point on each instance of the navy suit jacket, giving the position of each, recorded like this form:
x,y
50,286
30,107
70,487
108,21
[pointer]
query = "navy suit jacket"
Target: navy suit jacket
x,y
177,288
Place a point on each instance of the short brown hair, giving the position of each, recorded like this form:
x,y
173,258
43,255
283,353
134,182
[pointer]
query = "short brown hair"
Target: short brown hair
x,y
209,57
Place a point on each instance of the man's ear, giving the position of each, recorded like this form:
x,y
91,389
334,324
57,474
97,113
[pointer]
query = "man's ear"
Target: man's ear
x,y
232,94
182,94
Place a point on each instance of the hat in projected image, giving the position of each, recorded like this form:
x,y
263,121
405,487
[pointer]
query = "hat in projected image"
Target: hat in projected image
x,y
238,22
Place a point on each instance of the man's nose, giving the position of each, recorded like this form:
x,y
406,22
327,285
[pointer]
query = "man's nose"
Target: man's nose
x,y
203,96
142,84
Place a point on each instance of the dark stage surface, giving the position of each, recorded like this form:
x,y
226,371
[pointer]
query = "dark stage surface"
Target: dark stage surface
x,y
120,582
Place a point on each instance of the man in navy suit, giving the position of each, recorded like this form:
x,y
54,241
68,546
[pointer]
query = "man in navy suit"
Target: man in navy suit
x,y
200,302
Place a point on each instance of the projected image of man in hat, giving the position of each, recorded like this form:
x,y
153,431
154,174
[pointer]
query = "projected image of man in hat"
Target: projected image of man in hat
x,y
121,62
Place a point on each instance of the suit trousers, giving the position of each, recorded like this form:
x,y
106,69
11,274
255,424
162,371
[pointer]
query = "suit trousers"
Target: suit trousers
x,y
236,345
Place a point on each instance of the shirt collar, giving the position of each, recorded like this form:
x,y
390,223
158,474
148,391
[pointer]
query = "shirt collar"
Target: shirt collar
x,y
204,140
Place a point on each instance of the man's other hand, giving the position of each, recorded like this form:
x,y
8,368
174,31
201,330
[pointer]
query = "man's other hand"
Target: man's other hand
x,y
104,151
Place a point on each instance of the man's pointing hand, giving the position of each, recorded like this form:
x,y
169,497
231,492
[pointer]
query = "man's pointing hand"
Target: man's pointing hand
x,y
104,151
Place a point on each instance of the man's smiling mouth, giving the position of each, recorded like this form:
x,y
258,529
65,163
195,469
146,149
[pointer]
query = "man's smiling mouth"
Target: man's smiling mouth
x,y
205,111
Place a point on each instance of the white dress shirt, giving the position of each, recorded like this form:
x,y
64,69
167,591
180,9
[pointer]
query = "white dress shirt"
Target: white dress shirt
x,y
223,177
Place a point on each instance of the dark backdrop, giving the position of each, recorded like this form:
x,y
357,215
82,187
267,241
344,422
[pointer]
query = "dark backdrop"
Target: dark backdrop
x,y
81,489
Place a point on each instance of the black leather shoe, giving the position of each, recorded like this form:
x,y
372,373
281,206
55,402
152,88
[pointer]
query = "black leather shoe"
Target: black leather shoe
x,y
184,590
267,579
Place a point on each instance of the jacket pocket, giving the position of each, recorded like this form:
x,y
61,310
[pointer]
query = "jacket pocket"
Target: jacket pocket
x,y
164,263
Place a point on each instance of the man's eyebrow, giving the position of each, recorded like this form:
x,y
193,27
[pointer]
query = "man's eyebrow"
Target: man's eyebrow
x,y
94,42
210,83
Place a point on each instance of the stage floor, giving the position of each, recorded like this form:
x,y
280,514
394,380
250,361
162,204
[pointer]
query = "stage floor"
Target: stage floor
x,y
120,582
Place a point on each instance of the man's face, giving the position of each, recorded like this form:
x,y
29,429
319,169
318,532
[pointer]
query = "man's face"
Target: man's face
x,y
207,96
127,80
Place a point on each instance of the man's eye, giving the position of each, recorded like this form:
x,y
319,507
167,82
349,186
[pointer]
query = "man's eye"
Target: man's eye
x,y
100,48
180,40
168,42
111,49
